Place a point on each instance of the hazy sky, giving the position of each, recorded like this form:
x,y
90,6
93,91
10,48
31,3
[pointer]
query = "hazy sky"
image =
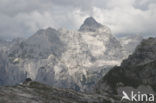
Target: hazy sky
x,y
21,18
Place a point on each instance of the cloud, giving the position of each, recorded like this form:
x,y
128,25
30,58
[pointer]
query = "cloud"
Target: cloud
x,y
127,20
21,18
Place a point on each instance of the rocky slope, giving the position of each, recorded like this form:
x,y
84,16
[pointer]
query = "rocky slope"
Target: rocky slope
x,y
137,73
34,92
63,58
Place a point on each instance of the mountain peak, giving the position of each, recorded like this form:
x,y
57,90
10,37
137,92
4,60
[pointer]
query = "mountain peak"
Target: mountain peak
x,y
90,21
90,24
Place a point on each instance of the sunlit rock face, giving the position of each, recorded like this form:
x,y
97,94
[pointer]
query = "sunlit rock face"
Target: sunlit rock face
x,y
64,58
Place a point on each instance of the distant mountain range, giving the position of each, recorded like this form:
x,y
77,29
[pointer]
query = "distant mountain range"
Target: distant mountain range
x,y
64,58
84,60
137,73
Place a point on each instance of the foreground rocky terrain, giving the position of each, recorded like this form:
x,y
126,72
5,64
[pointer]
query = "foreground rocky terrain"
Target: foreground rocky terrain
x,y
35,92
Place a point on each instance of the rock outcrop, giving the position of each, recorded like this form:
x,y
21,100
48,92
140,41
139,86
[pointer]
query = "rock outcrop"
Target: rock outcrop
x,y
39,93
137,73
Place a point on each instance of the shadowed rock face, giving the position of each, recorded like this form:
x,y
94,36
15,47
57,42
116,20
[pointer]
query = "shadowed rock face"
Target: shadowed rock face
x,y
90,24
144,53
136,72
40,45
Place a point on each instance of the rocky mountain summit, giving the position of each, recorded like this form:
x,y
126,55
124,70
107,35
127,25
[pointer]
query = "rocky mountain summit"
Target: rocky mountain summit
x,y
137,73
63,58
90,25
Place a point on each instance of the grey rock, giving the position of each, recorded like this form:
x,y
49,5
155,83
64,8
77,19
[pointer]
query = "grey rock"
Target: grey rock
x,y
90,24
39,93
63,58
135,73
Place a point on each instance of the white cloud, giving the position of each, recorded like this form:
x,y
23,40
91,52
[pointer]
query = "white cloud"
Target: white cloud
x,y
21,18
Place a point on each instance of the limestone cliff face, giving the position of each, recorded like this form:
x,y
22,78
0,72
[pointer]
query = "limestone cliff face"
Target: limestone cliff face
x,y
63,58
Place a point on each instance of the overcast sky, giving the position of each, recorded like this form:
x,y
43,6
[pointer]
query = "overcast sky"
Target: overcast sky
x,y
21,18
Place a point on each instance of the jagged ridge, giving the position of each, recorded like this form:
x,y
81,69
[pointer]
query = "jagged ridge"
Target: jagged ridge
x,y
136,73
